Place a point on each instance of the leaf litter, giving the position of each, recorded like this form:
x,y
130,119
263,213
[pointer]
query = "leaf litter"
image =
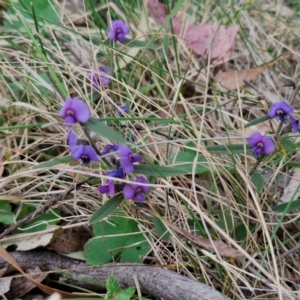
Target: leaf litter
x,y
214,40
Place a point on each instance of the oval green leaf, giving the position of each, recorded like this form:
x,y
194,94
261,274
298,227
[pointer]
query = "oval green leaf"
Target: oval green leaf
x,y
282,207
257,121
228,149
97,126
161,229
53,162
258,182
106,209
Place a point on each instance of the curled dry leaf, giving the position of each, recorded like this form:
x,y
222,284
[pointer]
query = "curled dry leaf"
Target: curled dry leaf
x,y
215,40
24,242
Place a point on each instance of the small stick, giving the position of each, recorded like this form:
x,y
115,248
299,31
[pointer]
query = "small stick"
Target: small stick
x,y
43,208
260,96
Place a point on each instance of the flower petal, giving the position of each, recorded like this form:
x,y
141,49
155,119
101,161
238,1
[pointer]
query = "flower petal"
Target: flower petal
x,y
103,189
126,164
129,192
254,139
141,179
124,151
71,140
140,197
281,106
80,110
294,123
91,153
136,158
268,145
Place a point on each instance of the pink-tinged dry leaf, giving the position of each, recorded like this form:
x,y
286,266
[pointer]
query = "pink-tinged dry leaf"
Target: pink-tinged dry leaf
x,y
233,79
159,13
214,40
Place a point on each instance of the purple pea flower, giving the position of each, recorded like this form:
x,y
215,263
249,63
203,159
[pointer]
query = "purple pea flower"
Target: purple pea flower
x,y
282,110
261,144
99,78
110,187
127,158
75,110
121,110
117,31
135,190
86,153
72,140
118,173
109,148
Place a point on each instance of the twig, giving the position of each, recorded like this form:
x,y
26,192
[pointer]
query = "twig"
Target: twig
x,y
43,208
260,96
155,281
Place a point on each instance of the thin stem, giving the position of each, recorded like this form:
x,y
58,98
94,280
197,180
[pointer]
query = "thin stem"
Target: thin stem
x,y
258,161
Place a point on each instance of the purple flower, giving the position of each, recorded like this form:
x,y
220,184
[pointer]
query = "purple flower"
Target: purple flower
x,y
99,78
109,188
127,158
282,110
135,190
75,110
261,144
72,140
85,152
117,31
109,148
118,173
121,110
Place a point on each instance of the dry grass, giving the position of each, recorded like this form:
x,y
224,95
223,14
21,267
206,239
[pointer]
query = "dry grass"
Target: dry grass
x,y
252,227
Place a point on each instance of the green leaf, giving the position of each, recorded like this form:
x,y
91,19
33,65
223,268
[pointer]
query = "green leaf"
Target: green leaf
x,y
288,145
161,229
257,120
112,287
258,182
140,44
106,209
45,12
228,149
224,219
97,126
281,207
53,162
6,216
169,171
126,294
41,222
120,238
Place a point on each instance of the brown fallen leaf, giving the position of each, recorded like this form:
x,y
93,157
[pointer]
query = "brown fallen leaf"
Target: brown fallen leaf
x,y
71,240
233,80
215,40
